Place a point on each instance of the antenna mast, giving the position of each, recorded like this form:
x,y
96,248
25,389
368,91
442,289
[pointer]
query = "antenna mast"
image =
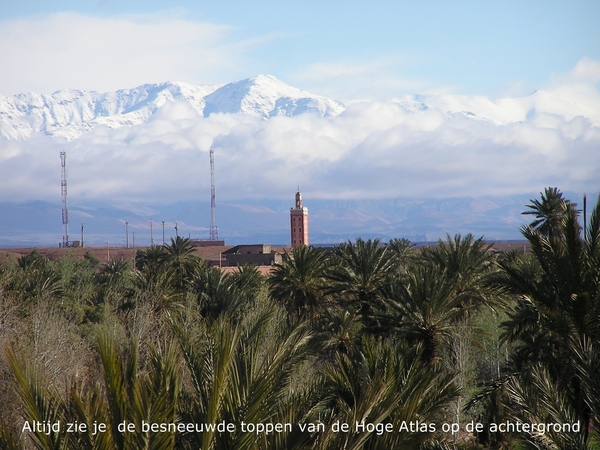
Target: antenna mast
x,y
63,191
214,232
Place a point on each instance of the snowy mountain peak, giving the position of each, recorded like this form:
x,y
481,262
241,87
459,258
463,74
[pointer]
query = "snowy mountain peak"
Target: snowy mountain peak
x,y
267,96
70,113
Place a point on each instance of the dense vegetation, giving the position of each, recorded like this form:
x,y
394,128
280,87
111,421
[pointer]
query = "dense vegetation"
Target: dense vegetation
x,y
380,333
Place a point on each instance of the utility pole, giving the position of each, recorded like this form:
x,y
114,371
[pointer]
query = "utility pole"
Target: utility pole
x,y
163,224
176,230
151,235
63,192
82,243
584,217
214,232
126,234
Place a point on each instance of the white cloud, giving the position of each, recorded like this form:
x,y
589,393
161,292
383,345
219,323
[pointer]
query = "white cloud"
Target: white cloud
x,y
46,53
586,69
371,150
350,80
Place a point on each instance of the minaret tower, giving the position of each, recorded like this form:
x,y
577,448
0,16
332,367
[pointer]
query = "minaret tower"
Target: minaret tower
x,y
299,222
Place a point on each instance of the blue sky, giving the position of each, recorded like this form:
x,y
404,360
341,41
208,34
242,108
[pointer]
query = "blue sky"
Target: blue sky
x,y
344,49
481,58
483,133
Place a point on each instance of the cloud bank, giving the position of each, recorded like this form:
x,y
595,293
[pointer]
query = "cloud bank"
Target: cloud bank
x,y
450,146
98,53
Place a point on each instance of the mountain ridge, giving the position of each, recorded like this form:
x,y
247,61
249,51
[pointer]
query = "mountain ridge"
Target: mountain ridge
x,y
69,113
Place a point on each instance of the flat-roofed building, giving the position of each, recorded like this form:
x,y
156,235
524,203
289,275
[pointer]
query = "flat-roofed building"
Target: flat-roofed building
x,y
255,255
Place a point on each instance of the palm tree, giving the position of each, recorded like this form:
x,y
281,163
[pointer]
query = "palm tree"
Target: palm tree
x,y
247,280
154,288
34,260
549,212
113,272
469,264
383,384
423,309
402,252
112,279
339,330
564,290
9,439
298,282
557,309
587,365
244,372
126,394
180,258
37,279
40,283
360,274
215,292
151,259
537,398
40,400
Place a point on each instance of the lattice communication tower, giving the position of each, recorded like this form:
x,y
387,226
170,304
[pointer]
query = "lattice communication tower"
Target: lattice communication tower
x,y
63,191
214,232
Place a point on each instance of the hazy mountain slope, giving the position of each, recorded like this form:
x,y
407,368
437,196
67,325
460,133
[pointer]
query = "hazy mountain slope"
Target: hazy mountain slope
x,y
267,221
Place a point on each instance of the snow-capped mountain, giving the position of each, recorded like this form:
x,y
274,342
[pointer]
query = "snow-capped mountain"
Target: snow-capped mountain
x,y
70,113
269,97
503,111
